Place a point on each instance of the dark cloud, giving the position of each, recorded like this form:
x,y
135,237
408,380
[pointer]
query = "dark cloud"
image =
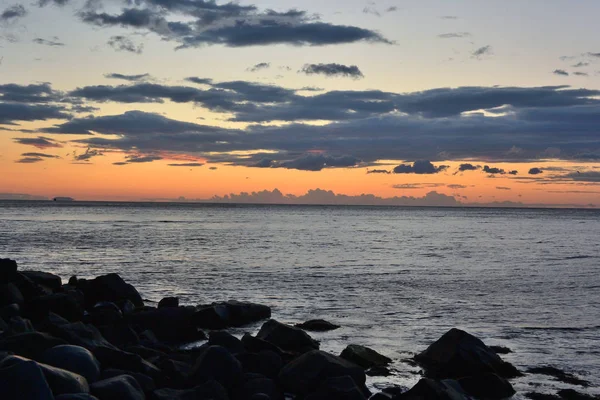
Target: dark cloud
x,y
417,185
11,112
561,72
493,170
143,159
513,172
333,69
581,73
263,163
33,93
590,54
213,168
123,43
468,167
13,13
29,160
52,42
378,171
60,3
456,186
259,67
40,142
503,188
391,9
580,64
317,162
89,154
535,171
482,51
201,81
186,165
419,167
586,176
39,155
455,35
130,78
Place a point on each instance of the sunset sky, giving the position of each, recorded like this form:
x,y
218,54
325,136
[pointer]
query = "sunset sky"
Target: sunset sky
x,y
484,101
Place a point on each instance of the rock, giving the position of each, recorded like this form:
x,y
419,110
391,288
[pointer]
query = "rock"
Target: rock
x,y
500,349
287,337
75,359
317,325
262,386
109,287
18,325
10,294
169,324
80,334
104,313
49,282
123,387
169,302
30,344
306,373
458,354
559,375
227,340
570,394
230,314
63,304
487,386
210,390
364,356
266,363
120,334
8,270
27,287
24,381
216,363
542,396
341,387
176,371
378,371
76,396
430,389
9,311
110,357
256,345
146,383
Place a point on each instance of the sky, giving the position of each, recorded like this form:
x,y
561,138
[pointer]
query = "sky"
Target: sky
x,y
428,102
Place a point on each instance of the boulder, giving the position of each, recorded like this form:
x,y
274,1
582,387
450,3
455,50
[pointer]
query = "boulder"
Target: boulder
x,y
9,311
24,381
341,387
266,363
570,394
75,359
458,354
210,390
81,334
262,386
169,324
255,345
487,386
63,304
306,373
287,337
500,349
146,383
230,314
434,390
169,302
559,375
104,313
109,287
30,344
120,334
227,340
218,364
18,325
364,356
317,325
49,282
378,371
10,294
8,270
76,396
123,387
110,357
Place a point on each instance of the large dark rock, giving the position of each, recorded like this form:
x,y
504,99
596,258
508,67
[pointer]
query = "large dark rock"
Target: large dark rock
x,y
317,325
287,337
340,387
49,282
8,270
81,334
559,375
10,294
146,383
9,311
230,314
29,345
364,356
168,302
429,389
216,363
570,394
306,373
169,324
487,386
75,359
210,390
24,381
458,354
104,313
109,287
255,345
266,362
18,325
227,340
123,387
120,334
76,396
114,358
262,386
63,304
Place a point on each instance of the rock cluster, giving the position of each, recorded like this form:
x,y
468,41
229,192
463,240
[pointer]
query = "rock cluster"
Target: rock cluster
x,y
96,339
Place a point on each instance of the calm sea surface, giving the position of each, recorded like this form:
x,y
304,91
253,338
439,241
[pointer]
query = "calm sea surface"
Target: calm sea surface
x,y
396,279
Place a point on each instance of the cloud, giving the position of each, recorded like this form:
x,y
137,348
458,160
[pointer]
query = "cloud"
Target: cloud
x,y
29,160
450,17
39,155
33,93
560,72
455,35
13,13
581,73
317,162
259,67
535,171
493,170
482,51
130,78
186,165
201,81
456,186
590,54
40,142
372,11
11,112
143,159
503,188
123,43
513,172
350,71
587,176
60,3
391,9
378,171
419,167
417,185
468,167
52,43
580,64
89,154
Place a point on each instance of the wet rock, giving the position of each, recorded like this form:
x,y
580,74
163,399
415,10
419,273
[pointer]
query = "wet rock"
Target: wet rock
x,y
169,302
570,394
49,282
30,344
559,375
378,371
287,337
169,324
487,386
364,356
307,372
10,294
227,340
457,354
317,325
24,381
75,359
501,349
341,387
216,363
266,363
230,314
434,390
109,287
146,383
123,387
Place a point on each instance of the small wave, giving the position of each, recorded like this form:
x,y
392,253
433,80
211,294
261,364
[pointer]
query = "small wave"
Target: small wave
x,y
578,257
561,328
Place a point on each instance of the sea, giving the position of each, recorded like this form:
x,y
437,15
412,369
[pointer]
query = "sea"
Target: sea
x,y
395,278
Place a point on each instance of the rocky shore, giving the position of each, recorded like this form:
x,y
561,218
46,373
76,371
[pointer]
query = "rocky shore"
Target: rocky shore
x,y
96,339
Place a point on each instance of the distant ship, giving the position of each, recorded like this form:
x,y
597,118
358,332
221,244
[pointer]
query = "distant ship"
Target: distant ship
x,y
64,199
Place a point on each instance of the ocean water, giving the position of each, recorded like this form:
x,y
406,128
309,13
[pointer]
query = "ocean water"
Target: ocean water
x,y
396,279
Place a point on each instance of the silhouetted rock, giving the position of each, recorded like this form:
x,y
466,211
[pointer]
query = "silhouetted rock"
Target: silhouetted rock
x,y
287,337
230,314
10,294
18,325
559,375
487,386
341,387
169,324
501,349
9,311
210,390
120,334
29,345
76,396
364,356
266,362
169,302
216,363
317,325
111,357
264,386
104,313
378,371
80,334
570,394
255,345
542,396
307,372
63,304
24,381
458,354
227,340
109,287
429,389
146,383
123,387
8,270
49,282
75,359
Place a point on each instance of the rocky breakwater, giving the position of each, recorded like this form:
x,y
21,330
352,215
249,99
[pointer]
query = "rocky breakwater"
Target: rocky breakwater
x,y
96,339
